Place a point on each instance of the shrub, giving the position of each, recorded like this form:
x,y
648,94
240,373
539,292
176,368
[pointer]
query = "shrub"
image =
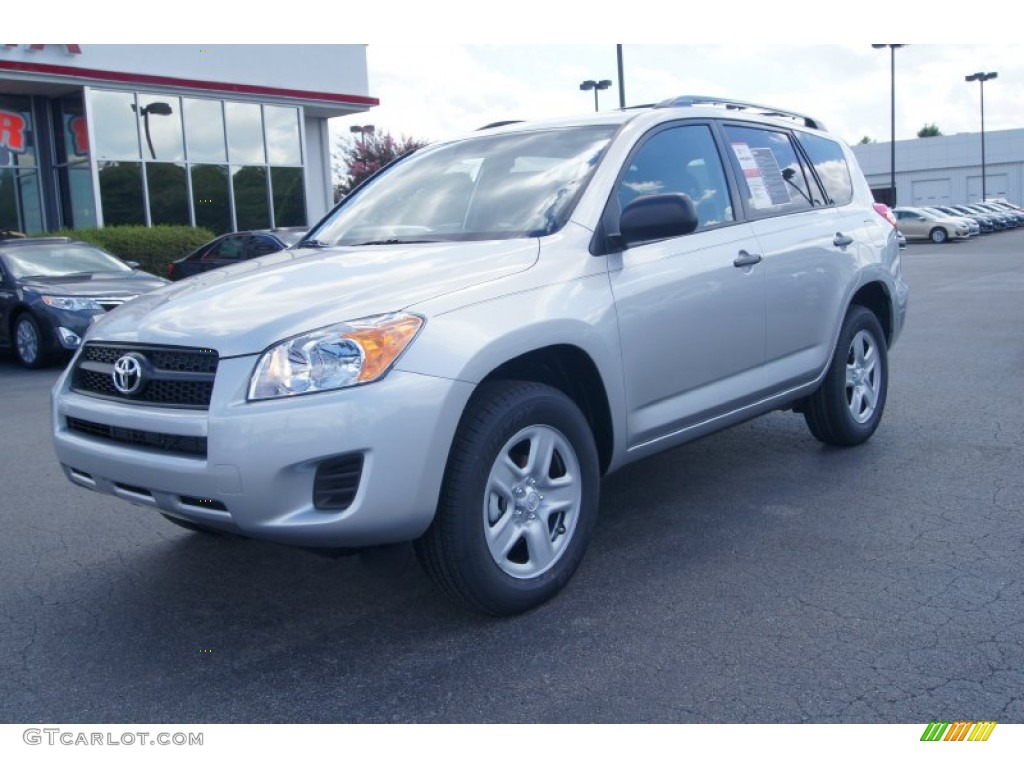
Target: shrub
x,y
153,247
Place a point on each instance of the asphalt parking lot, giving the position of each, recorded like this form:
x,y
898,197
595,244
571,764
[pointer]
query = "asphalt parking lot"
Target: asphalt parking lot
x,y
754,576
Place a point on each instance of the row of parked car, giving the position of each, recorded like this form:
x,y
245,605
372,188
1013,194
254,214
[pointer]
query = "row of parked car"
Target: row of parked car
x,y
942,223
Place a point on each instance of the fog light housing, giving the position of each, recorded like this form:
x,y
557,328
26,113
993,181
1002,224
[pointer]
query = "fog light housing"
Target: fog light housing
x,y
69,339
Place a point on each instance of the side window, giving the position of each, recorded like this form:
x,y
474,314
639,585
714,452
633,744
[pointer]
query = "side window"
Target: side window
x,y
829,163
681,159
229,248
261,246
774,179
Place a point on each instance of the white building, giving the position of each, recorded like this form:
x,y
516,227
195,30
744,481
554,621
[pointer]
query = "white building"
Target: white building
x,y
228,137
947,169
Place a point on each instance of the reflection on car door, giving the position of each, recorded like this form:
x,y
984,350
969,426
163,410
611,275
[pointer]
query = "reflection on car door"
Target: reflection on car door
x,y
691,322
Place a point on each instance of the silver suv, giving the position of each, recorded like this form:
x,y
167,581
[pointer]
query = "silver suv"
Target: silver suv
x,y
462,348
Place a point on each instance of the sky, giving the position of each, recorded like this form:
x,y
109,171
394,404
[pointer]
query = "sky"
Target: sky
x,y
444,67
435,91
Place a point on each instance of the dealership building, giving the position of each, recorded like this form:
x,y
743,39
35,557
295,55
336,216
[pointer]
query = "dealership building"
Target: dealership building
x,y
228,137
944,170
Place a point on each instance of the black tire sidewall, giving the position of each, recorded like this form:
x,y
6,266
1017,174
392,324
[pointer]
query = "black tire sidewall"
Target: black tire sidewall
x,y
494,415
847,429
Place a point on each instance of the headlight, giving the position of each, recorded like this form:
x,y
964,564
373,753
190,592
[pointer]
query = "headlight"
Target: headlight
x,y
356,352
71,302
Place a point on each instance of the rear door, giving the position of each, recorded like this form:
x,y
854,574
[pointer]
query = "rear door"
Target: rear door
x,y
808,247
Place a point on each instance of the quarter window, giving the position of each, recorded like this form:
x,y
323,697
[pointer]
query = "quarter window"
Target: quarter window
x,y
829,163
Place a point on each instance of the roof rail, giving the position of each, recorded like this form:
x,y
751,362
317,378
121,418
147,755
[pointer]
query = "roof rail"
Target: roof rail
x,y
691,101
498,124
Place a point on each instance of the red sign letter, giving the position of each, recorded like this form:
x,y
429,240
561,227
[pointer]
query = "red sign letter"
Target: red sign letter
x,y
12,132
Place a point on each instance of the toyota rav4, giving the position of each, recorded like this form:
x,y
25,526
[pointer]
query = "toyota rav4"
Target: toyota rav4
x,y
464,346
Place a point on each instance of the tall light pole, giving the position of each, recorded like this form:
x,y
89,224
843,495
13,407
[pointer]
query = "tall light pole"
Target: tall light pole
x,y
153,108
981,77
362,130
892,113
595,86
622,77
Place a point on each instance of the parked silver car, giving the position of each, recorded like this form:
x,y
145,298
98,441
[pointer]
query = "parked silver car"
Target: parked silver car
x,y
919,224
461,349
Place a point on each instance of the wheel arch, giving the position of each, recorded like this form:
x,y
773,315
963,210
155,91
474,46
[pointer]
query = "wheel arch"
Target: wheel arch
x,y
875,297
572,371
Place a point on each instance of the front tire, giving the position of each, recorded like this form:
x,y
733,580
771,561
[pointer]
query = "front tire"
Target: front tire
x,y
29,345
519,500
938,235
847,407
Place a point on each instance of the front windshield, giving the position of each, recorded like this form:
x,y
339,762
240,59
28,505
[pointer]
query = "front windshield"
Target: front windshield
x,y
490,187
61,260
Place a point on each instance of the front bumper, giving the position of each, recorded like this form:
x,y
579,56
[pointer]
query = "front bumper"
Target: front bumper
x,y
257,475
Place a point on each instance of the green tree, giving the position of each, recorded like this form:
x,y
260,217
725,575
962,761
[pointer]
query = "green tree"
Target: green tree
x,y
866,140
359,156
929,129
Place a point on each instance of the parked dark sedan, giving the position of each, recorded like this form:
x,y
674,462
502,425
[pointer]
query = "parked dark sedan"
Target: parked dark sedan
x,y
50,289
233,248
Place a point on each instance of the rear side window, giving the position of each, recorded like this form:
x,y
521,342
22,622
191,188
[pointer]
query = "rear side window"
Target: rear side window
x,y
774,179
829,163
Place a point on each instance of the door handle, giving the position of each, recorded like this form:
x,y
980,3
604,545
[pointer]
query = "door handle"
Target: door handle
x,y
842,240
746,259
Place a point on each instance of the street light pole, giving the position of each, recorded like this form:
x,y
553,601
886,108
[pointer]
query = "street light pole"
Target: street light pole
x,y
595,86
892,114
981,77
622,77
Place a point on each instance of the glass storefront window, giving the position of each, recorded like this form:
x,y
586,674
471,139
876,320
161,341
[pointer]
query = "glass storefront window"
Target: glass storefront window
x,y
237,154
121,193
289,197
204,129
283,144
168,193
252,210
161,128
245,134
116,125
20,209
211,198
77,194
20,198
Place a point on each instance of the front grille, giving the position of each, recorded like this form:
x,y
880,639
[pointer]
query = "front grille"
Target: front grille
x,y
180,444
177,377
337,481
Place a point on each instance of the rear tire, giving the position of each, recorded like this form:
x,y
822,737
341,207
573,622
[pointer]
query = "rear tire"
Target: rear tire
x,y
847,407
519,500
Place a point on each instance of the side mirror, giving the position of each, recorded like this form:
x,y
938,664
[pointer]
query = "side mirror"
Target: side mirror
x,y
133,264
657,217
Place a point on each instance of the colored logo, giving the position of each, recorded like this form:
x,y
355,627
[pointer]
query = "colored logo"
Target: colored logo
x,y
959,730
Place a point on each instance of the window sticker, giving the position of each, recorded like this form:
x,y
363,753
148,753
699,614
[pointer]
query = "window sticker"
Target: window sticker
x,y
763,175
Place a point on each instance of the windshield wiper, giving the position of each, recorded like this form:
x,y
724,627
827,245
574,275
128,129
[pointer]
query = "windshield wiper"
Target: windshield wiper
x,y
392,241
311,244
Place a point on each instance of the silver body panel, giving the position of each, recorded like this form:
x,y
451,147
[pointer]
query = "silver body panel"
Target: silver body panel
x,y
685,343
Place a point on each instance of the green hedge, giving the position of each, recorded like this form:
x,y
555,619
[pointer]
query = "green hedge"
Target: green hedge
x,y
153,247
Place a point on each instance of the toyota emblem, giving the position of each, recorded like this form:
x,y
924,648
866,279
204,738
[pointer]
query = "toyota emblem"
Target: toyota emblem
x,y
127,374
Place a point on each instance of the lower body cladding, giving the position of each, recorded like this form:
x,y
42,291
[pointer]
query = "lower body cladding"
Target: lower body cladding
x,y
350,468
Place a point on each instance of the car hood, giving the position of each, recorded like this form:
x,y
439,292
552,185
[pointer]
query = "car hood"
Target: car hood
x,y
97,285
244,308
